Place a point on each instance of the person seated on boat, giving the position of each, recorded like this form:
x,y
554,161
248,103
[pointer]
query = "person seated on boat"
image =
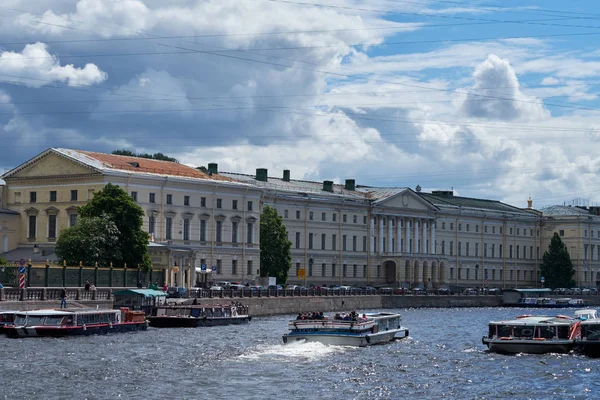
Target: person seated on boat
x,y
337,316
364,316
300,316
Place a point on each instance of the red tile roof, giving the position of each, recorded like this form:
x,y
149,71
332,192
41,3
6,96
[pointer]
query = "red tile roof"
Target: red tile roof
x,y
149,166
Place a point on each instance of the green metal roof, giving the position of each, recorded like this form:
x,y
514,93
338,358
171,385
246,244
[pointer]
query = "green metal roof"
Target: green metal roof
x,y
141,292
484,204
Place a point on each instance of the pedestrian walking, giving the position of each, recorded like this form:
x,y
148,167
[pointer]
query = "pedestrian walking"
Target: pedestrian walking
x,y
63,298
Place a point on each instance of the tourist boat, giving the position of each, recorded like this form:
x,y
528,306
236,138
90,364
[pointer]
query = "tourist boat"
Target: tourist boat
x,y
70,322
533,334
549,302
370,329
192,316
589,340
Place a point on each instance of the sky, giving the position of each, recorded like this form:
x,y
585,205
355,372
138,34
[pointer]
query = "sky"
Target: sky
x,y
492,99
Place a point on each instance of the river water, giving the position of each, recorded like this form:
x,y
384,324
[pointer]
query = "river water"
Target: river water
x,y
442,358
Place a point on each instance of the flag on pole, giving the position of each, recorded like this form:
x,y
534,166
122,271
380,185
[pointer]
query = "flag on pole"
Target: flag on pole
x,y
486,279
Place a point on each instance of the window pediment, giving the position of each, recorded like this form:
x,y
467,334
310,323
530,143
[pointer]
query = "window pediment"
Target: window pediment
x,y
31,211
220,217
204,216
187,215
71,210
236,218
152,212
52,210
251,220
170,213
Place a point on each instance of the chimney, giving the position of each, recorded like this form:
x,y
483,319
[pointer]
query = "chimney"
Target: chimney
x,y
213,168
286,175
350,184
328,186
530,203
261,174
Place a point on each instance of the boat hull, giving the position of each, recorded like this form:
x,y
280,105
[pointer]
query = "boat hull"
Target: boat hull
x,y
590,348
47,331
346,339
528,346
192,322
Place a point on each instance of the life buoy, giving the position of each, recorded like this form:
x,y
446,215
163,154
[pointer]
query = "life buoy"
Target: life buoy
x,y
524,316
563,317
234,311
506,338
539,338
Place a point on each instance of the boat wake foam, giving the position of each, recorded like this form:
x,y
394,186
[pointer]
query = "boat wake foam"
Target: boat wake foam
x,y
309,351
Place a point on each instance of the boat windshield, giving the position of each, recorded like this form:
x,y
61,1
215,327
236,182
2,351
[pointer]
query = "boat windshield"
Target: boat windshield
x,y
54,321
32,321
524,331
20,320
592,332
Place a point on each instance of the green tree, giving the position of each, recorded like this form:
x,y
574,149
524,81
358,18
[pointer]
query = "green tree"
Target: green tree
x,y
8,273
93,239
127,216
275,253
557,268
155,156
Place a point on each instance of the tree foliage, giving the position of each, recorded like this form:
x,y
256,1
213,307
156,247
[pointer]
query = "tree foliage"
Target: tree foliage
x,y
93,239
275,248
557,268
155,156
115,204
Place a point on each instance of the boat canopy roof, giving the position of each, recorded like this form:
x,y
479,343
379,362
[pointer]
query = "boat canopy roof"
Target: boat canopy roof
x,y
57,313
140,292
538,320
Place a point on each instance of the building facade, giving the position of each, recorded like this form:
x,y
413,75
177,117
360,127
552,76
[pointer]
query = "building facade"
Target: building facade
x,y
341,234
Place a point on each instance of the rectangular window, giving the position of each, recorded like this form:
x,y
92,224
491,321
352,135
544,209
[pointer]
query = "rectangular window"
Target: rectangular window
x,y
322,241
52,225
354,219
323,217
451,226
134,196
152,198
234,232
169,199
186,200
202,201
451,248
531,252
364,271
364,220
323,269
510,251
467,249
443,247
234,204
476,228
344,270
203,230
517,252
443,225
310,215
285,213
249,235
297,214
500,252
468,227
460,248
493,250
219,203
297,240
485,254
501,234
32,197
73,195
219,267
310,269
53,195
364,246
233,267
485,229
345,218
560,232
186,229
476,248
219,232
354,239
151,223
333,241
344,242
310,240
460,227
511,231
249,269
333,268
334,217
494,229
72,220
168,228
249,206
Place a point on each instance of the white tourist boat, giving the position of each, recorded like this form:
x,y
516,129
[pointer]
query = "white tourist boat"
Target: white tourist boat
x,y
533,334
589,340
349,330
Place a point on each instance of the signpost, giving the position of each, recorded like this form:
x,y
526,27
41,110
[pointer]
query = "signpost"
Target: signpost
x,y
22,273
542,279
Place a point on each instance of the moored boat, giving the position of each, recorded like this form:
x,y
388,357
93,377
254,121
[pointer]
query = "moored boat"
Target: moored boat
x,y
71,322
6,318
589,340
550,302
192,316
350,330
533,334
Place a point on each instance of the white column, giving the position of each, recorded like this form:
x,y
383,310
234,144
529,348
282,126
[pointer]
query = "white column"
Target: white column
x,y
398,236
407,234
372,244
433,237
390,234
417,235
424,243
381,235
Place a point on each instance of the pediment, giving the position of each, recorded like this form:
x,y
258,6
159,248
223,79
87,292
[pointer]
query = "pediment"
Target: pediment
x,y
49,164
407,200
204,216
220,217
236,218
51,210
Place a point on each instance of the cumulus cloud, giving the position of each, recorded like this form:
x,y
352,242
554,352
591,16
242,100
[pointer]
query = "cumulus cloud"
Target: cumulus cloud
x,y
496,94
35,67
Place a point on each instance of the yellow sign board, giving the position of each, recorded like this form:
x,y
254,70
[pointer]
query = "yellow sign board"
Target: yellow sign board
x,y
301,273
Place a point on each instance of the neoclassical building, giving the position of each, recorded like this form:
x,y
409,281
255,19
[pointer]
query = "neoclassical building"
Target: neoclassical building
x,y
343,234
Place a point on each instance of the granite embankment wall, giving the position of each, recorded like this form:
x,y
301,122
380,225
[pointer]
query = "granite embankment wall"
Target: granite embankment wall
x,y
264,306
36,305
